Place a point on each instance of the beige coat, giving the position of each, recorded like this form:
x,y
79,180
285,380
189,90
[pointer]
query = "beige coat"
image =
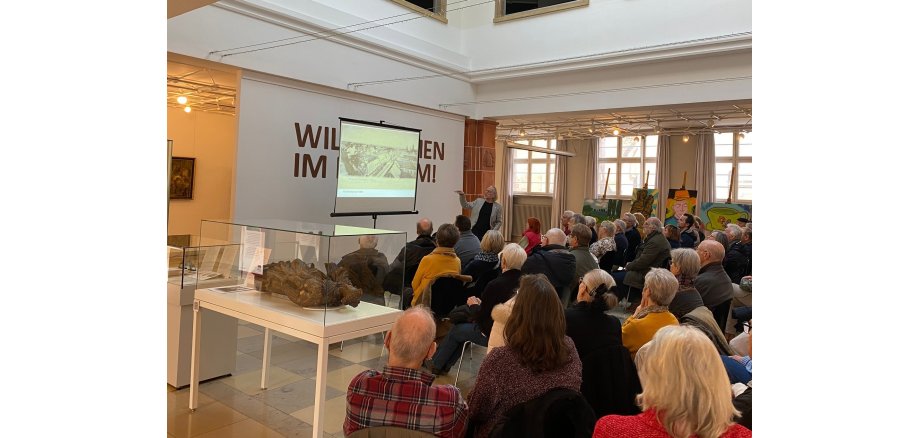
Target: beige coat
x,y
500,315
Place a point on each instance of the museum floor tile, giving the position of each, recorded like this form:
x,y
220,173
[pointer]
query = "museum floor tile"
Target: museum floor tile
x,y
235,406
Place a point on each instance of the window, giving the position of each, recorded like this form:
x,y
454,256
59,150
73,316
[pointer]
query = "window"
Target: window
x,y
513,9
735,150
534,172
630,161
436,9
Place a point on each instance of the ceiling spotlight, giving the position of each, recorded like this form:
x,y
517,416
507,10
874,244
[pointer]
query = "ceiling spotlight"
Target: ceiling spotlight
x,y
521,133
616,131
182,100
591,129
188,109
741,136
686,138
636,139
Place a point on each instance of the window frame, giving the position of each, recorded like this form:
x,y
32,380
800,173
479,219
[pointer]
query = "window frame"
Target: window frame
x,y
735,160
642,159
500,16
440,7
549,160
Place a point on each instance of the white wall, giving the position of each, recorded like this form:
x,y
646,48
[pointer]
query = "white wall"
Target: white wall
x,y
266,184
354,58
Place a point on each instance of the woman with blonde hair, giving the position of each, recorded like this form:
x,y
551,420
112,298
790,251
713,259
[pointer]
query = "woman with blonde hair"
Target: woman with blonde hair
x,y
685,391
484,266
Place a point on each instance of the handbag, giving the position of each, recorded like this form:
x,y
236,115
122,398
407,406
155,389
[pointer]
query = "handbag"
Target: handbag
x,y
460,314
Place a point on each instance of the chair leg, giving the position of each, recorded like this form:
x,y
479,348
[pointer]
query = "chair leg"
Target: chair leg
x,y
460,365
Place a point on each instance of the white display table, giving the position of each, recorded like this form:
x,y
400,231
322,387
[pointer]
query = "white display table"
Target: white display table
x,y
275,312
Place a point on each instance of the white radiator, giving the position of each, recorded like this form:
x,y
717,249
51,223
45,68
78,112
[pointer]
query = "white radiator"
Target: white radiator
x,y
540,207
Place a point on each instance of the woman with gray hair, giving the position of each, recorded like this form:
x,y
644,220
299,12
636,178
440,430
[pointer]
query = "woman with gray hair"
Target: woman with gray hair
x,y
721,237
632,236
591,222
685,264
606,243
652,313
622,242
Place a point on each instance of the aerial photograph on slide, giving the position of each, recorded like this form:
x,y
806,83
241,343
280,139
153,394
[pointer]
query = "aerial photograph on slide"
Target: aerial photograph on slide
x,y
370,166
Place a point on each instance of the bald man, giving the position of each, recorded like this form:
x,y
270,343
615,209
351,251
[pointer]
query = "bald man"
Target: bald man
x,y
713,282
554,260
406,262
403,395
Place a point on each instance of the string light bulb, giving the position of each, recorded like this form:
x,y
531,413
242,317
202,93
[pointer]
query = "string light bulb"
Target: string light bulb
x,y
521,133
616,131
741,135
686,138
182,100
188,109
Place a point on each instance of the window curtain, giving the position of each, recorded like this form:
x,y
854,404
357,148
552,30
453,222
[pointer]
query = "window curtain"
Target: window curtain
x,y
507,195
559,197
706,169
663,175
591,170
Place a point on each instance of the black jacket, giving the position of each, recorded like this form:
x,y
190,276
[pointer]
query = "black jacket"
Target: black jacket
x,y
406,263
499,290
554,261
634,239
609,380
714,285
737,261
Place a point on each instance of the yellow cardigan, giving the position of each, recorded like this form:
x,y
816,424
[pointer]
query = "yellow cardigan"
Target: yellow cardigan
x,y
440,261
637,332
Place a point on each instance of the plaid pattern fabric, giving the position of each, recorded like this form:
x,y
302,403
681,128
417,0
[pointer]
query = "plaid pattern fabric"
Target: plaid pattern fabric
x,y
403,397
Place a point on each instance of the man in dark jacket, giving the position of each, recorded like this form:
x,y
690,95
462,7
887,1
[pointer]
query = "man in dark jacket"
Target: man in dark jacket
x,y
406,262
651,253
688,236
553,260
737,261
713,283
632,237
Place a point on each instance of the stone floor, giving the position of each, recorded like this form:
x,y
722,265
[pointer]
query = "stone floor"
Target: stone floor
x,y
235,406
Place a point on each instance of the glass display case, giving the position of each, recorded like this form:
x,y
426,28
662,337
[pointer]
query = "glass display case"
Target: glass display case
x,y
314,266
186,260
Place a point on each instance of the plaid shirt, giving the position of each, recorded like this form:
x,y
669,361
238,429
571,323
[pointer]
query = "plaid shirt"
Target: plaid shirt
x,y
403,397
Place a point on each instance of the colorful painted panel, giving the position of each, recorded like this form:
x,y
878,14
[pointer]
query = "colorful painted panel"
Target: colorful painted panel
x,y
645,201
679,202
716,215
602,209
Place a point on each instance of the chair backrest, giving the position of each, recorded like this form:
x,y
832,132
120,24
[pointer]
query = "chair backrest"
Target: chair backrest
x,y
477,286
447,293
559,412
610,381
389,432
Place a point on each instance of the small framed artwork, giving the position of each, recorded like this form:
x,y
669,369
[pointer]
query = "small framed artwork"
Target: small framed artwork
x,y
182,178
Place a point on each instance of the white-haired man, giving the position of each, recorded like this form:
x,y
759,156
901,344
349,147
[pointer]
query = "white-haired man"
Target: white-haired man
x,y
403,395
564,221
486,213
368,267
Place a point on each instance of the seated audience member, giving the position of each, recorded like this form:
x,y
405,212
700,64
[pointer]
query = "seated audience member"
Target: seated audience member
x,y
685,264
640,224
442,260
538,357
689,238
672,233
553,260
496,292
742,343
721,237
685,391
467,245
700,229
652,313
584,261
564,221
367,267
403,395
651,254
712,282
609,379
633,237
741,304
532,233
487,259
605,243
622,244
591,222
406,263
737,261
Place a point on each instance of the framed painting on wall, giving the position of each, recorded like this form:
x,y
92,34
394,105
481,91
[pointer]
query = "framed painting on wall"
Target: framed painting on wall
x,y
181,177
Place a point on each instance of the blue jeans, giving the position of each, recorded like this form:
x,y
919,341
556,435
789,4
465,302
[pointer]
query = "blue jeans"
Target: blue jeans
x,y
737,373
449,350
